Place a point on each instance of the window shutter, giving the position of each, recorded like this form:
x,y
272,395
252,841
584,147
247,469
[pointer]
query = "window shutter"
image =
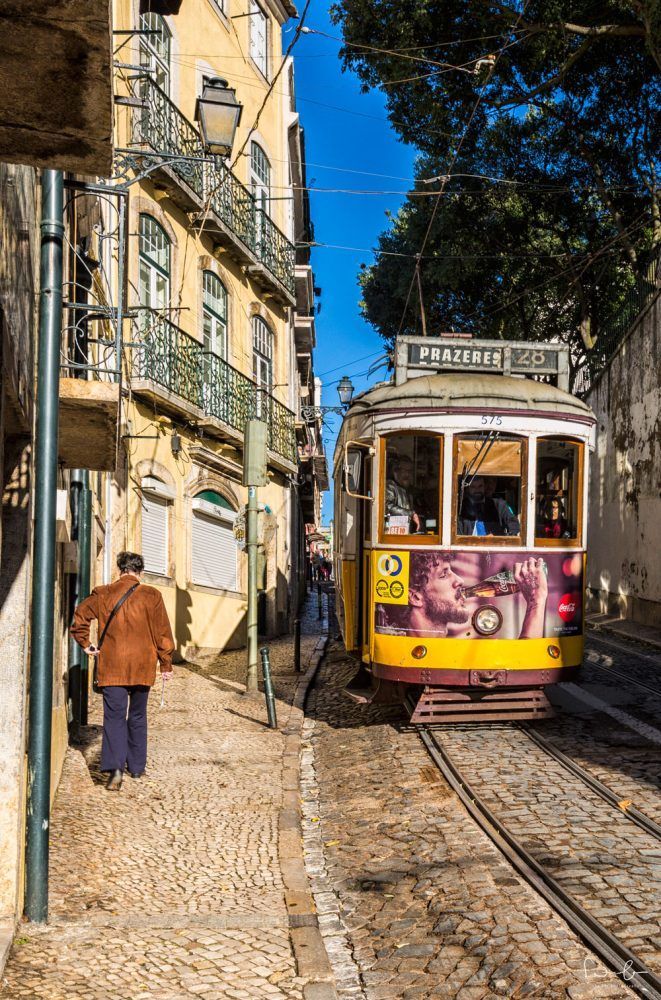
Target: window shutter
x,y
214,552
155,534
258,40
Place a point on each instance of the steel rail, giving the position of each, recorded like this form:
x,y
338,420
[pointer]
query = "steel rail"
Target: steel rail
x,y
637,817
613,953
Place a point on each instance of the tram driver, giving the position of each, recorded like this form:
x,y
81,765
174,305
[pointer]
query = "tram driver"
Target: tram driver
x,y
483,513
399,495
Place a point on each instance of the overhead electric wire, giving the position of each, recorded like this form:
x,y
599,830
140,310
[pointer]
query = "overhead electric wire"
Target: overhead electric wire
x,y
590,259
456,256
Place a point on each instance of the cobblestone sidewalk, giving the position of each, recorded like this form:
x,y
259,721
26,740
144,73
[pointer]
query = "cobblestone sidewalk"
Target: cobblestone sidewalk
x,y
173,888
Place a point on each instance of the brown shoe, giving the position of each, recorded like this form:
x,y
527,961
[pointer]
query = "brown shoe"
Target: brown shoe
x,y
114,782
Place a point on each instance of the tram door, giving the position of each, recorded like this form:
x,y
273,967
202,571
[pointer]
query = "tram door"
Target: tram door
x,y
363,559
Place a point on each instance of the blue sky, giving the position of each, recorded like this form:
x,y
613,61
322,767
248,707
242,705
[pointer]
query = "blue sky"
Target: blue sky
x,y
361,141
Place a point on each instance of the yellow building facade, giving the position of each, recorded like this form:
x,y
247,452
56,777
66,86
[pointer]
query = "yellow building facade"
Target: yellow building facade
x,y
211,291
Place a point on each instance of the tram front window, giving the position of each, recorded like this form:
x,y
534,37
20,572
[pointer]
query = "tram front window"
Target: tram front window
x,y
488,471
411,506
558,465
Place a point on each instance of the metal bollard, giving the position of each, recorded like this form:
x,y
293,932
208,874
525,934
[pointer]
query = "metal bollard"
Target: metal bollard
x,y
321,610
297,645
268,688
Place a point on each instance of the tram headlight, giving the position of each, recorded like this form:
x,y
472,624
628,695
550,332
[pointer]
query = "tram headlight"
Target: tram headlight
x,y
487,620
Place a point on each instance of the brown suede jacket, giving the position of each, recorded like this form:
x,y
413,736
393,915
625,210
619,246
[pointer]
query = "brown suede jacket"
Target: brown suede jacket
x,y
139,635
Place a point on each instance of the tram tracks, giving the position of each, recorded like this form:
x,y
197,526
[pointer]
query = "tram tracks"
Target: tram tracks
x,y
493,819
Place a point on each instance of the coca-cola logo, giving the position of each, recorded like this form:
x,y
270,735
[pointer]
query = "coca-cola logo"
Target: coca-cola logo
x,y
568,606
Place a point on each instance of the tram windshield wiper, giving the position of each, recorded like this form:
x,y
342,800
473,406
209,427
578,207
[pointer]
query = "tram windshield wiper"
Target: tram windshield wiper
x,y
476,463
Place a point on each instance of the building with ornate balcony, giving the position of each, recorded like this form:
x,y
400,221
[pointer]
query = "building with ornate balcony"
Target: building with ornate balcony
x,y
211,298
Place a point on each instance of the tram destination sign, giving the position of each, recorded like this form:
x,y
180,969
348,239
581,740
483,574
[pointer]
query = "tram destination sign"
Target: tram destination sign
x,y
415,355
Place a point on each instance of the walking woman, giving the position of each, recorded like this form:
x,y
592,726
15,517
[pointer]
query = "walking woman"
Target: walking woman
x,y
134,635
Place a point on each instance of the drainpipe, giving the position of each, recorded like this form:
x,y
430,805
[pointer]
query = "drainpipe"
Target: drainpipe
x,y
81,502
75,652
83,579
43,558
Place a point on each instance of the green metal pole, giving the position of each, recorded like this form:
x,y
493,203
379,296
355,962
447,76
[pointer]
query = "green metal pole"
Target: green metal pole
x,y
84,573
251,546
43,558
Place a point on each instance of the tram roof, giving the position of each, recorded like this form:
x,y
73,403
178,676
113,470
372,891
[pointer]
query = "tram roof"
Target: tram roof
x,y
459,391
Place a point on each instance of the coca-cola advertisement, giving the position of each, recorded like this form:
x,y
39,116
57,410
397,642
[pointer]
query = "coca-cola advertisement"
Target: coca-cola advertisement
x,y
479,595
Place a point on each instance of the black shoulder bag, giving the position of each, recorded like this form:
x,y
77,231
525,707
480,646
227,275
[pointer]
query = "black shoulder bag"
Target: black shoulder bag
x,y
124,597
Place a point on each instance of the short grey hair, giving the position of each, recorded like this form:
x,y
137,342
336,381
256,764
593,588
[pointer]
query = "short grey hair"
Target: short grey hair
x,y
130,562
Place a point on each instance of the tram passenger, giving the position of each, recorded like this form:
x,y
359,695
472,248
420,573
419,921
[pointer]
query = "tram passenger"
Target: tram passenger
x,y
553,523
399,497
483,513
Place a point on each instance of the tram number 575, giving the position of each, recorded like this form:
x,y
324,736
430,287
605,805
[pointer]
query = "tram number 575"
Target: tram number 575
x,y
491,419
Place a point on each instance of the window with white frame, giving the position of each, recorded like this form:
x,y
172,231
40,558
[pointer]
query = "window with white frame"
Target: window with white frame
x,y
156,503
259,38
155,49
154,270
213,545
214,314
260,176
262,353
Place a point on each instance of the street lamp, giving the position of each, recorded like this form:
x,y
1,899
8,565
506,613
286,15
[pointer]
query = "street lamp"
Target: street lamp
x,y
219,114
344,391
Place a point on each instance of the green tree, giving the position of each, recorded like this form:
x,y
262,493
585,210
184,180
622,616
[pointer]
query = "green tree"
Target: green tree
x,y
559,103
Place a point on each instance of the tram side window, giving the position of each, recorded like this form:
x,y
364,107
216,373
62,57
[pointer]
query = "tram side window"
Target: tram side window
x,y
488,475
558,467
411,501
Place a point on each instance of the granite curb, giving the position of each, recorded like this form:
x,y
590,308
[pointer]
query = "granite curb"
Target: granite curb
x,y
310,953
624,628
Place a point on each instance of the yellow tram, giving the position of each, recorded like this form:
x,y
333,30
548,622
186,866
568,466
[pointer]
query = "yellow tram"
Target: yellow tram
x,y
460,527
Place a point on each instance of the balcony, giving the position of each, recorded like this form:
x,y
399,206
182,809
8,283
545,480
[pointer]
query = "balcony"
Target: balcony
x,y
172,368
228,210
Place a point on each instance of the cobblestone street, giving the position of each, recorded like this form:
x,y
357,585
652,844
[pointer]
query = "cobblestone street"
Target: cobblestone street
x,y
191,882
173,888
414,900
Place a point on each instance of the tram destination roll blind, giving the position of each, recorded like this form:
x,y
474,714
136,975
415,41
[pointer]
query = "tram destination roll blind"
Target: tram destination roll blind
x,y
415,355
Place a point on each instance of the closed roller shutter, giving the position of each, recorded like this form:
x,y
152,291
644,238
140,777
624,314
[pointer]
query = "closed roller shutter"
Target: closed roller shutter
x,y
214,552
155,533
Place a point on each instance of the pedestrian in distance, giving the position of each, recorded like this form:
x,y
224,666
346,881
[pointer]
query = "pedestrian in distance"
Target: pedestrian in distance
x,y
134,636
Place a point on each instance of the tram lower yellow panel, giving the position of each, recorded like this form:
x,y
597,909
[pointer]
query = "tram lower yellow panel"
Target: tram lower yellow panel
x,y
479,654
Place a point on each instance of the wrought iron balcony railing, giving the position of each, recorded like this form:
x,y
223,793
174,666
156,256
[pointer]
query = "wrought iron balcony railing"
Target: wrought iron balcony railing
x,y
276,252
159,124
163,353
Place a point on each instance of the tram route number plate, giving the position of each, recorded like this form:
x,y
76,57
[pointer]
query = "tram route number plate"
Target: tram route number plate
x,y
480,357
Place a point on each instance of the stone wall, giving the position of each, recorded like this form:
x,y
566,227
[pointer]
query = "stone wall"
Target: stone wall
x,y
624,534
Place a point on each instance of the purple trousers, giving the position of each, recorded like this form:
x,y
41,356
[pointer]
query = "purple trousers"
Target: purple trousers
x,y
124,729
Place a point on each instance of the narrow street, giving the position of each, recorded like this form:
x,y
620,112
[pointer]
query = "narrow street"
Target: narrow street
x,y
181,885
330,521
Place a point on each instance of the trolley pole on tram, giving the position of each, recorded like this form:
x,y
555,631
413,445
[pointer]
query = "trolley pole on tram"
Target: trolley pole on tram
x,y
254,475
